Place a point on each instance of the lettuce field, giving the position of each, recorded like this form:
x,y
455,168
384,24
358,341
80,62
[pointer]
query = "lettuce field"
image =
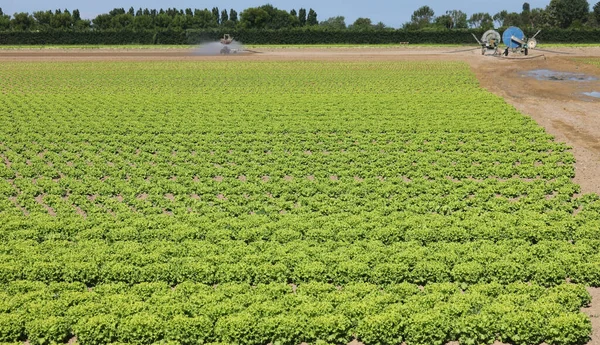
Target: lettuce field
x,y
255,203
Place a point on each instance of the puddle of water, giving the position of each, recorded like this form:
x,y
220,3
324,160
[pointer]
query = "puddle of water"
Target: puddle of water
x,y
592,94
546,74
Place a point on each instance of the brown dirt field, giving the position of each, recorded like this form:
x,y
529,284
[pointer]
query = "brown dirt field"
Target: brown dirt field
x,y
558,106
593,311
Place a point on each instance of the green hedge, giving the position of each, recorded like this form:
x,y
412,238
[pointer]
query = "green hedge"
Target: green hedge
x,y
291,36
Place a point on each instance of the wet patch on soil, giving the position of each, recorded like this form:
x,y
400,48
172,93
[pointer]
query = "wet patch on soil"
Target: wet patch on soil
x,y
546,74
594,94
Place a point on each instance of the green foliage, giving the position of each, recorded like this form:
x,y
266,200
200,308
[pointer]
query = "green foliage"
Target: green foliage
x,y
311,18
475,329
306,35
427,328
241,328
187,330
381,329
422,17
522,328
47,330
96,330
568,329
587,273
468,273
334,23
547,274
430,272
565,13
330,329
11,328
140,328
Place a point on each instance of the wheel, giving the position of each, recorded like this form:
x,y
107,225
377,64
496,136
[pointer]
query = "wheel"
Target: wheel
x,y
526,51
506,52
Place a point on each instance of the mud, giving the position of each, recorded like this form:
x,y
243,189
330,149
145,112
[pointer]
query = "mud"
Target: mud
x,y
546,74
594,94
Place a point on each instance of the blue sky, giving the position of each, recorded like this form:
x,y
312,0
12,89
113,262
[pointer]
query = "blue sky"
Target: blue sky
x,y
392,13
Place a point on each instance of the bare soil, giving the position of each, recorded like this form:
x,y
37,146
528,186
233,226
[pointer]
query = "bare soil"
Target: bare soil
x,y
593,311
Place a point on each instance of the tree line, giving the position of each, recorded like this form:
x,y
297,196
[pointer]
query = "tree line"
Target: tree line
x,y
263,17
558,14
564,14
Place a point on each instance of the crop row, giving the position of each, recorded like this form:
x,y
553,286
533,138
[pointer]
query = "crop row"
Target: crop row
x,y
294,197
92,262
385,223
279,313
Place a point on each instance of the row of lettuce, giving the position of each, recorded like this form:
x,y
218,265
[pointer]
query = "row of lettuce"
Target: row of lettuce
x,y
547,263
191,313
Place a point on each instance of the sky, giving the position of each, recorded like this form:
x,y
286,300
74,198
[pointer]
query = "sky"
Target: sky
x,y
392,13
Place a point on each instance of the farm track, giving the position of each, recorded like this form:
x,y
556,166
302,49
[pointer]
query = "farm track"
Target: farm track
x,y
555,105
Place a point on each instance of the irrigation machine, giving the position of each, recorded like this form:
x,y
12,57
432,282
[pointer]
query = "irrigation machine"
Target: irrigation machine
x,y
516,42
489,42
226,41
513,38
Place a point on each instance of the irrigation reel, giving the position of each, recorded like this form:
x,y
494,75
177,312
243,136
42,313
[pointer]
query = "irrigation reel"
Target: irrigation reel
x,y
230,46
516,42
513,38
489,42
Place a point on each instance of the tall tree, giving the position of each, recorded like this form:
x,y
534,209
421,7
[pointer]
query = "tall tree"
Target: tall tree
x,y
564,13
62,20
526,15
481,20
224,16
116,11
334,23
459,19
294,13
380,26
101,22
215,12
514,19
500,18
444,21
203,19
22,21
311,19
422,17
142,22
302,16
267,17
131,11
233,15
43,19
538,17
362,24
4,21
596,12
